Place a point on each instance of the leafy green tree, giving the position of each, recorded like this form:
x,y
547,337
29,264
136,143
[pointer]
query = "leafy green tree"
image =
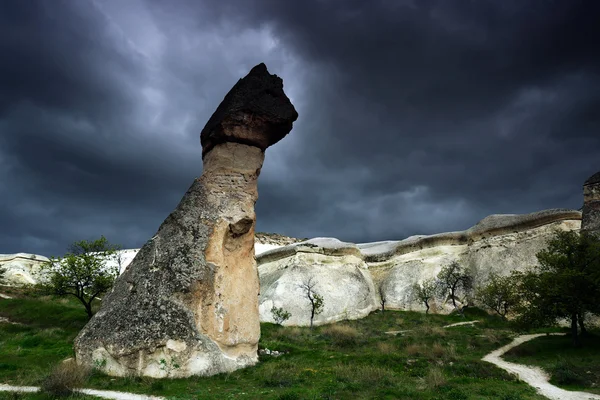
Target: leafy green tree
x,y
425,292
280,315
453,279
499,294
565,284
82,272
315,299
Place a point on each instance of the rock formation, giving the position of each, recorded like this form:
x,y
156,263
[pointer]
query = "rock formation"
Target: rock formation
x,y
188,302
350,276
22,268
590,222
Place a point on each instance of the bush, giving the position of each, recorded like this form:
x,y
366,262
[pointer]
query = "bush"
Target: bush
x,y
342,335
280,315
65,377
434,378
565,373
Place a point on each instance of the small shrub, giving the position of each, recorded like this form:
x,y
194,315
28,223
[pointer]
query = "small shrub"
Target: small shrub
x,y
414,350
565,373
342,335
280,315
434,378
437,350
386,348
63,378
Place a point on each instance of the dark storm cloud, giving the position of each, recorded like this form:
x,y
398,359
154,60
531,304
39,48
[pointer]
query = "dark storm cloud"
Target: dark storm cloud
x,y
415,116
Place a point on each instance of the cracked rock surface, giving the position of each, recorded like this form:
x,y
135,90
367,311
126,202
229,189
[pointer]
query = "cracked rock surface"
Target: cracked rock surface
x,y
188,302
590,222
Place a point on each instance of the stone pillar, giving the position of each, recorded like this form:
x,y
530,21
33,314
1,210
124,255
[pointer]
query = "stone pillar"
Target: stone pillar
x,y
188,302
590,220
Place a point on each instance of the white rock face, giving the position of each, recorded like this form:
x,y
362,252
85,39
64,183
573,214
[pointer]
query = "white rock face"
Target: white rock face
x,y
349,275
22,268
498,243
342,278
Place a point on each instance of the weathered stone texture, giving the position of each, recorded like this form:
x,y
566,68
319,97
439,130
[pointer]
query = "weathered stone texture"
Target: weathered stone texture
x,y
188,302
591,205
255,112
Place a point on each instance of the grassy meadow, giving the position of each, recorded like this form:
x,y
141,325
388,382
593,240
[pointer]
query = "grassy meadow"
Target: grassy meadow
x,y
347,360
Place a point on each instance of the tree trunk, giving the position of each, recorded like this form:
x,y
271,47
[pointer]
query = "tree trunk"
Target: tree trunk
x,y
581,325
88,310
427,305
453,299
574,337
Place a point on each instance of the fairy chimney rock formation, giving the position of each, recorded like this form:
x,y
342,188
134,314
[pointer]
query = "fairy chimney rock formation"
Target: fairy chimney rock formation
x,y
591,205
188,302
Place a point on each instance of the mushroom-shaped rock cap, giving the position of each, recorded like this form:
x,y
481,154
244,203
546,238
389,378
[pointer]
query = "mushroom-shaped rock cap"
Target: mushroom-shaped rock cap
x,y
255,112
593,180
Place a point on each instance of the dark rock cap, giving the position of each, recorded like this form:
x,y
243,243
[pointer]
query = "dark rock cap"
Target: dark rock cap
x,y
255,112
592,180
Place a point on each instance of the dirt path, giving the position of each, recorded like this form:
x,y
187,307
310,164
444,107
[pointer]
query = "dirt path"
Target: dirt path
x,y
105,394
461,323
534,376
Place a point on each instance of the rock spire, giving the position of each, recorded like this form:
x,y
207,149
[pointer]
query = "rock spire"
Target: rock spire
x,y
188,303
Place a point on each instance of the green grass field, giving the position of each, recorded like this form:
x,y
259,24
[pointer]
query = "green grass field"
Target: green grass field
x,y
347,360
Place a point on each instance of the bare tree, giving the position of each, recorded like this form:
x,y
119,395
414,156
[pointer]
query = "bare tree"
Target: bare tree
x,y
425,292
382,298
315,299
452,280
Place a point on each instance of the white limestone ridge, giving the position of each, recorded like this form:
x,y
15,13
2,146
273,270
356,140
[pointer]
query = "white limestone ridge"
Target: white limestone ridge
x,y
351,276
24,268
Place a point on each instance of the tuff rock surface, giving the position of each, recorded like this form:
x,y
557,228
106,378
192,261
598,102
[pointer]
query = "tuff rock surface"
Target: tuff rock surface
x,y
188,302
350,276
22,268
590,222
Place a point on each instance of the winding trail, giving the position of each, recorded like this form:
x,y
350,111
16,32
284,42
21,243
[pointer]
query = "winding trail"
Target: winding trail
x,y
534,376
461,323
104,394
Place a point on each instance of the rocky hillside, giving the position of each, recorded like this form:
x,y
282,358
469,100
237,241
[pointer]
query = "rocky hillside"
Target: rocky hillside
x,y
24,268
351,276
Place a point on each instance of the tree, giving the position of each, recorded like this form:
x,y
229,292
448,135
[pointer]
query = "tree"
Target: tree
x,y
452,280
565,284
3,276
499,294
382,298
82,272
315,299
280,315
425,292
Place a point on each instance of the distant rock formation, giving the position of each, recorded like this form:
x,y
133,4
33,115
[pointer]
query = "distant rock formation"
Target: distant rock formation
x,y
591,205
22,268
25,268
350,277
187,303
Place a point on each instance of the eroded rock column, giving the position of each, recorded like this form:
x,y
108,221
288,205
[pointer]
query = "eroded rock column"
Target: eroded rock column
x,y
188,303
590,220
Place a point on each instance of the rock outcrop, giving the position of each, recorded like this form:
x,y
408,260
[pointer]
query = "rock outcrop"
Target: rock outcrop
x,y
340,274
22,268
188,302
591,205
351,276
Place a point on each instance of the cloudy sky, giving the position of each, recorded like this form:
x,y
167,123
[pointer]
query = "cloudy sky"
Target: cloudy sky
x,y
416,117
